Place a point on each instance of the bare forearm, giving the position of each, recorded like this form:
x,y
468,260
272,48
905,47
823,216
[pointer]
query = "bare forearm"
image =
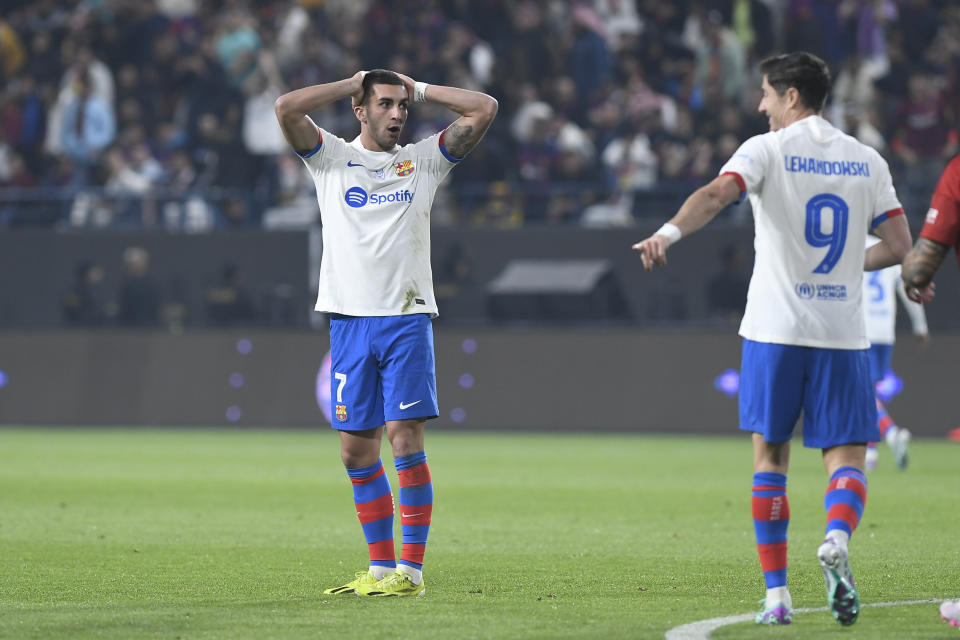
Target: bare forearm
x,y
476,110
292,109
698,209
300,102
922,262
881,256
894,234
703,205
471,104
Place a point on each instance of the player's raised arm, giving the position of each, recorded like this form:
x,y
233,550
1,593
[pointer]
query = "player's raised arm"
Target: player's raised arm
x,y
292,109
476,110
697,210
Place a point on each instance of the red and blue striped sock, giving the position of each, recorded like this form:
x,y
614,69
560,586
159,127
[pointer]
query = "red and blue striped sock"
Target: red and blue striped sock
x,y
374,500
416,509
844,501
771,517
884,421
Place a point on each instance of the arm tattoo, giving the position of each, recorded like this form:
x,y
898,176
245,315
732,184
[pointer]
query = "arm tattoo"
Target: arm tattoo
x,y
461,139
922,262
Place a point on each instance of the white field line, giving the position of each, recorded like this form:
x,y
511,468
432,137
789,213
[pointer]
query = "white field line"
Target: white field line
x,y
701,630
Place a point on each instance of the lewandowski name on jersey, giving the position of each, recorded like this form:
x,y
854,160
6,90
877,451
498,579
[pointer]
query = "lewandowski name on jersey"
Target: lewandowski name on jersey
x,y
801,164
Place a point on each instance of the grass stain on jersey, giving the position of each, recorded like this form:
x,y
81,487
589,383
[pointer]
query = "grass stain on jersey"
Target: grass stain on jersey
x,y
410,297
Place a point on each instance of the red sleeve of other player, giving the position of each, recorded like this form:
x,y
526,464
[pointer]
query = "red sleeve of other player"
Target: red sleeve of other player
x,y
943,219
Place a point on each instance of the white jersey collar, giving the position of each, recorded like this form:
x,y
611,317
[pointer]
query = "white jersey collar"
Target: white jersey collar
x,y
385,155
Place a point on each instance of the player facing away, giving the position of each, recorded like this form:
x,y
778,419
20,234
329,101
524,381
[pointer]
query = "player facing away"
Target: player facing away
x,y
941,230
881,289
375,282
815,193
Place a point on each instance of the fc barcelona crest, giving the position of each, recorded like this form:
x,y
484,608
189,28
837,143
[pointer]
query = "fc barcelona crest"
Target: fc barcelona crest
x,y
405,168
342,412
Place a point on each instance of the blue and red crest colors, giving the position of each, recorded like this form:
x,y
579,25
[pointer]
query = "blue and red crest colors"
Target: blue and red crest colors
x,y
342,412
405,168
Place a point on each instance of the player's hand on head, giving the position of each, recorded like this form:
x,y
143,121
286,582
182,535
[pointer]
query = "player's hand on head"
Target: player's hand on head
x,y
653,251
925,294
355,98
407,83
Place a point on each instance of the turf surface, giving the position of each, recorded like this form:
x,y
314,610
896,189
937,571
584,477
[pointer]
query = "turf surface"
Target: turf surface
x,y
234,534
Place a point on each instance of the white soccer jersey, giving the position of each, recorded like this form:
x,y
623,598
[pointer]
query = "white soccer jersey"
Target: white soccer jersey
x,y
375,211
815,193
880,290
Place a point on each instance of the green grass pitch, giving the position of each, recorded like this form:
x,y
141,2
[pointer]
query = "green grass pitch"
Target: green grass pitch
x,y
194,534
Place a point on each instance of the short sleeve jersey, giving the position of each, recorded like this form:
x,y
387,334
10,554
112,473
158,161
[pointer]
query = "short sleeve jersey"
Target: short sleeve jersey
x,y
881,289
375,212
943,218
815,193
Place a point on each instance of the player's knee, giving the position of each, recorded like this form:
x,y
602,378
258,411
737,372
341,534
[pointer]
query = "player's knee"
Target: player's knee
x,y
356,457
406,437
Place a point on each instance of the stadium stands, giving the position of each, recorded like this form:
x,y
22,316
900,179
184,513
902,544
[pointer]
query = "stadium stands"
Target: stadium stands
x,y
159,114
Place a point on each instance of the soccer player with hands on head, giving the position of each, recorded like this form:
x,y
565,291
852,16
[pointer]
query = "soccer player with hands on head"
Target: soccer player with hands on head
x,y
376,283
815,194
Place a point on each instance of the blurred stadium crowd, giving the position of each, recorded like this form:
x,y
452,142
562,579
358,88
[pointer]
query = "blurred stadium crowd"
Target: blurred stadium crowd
x,y
159,113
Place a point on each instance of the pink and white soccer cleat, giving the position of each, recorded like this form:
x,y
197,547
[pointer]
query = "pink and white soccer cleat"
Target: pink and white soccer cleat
x,y
950,612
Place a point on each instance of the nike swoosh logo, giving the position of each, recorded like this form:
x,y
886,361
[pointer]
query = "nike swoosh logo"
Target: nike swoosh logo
x,y
353,164
407,406
410,515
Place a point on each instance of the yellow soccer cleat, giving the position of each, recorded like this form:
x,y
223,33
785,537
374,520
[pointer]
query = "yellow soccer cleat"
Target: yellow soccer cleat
x,y
395,584
362,579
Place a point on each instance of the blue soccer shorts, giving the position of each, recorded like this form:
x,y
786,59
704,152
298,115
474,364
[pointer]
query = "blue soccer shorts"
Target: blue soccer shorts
x,y
831,386
880,357
381,368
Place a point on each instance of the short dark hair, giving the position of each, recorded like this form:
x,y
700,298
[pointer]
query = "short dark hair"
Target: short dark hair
x,y
378,76
803,71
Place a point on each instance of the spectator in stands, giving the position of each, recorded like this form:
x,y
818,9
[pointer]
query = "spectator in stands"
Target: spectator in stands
x,y
861,124
228,302
853,91
233,213
124,184
631,160
139,296
537,158
89,125
12,52
14,173
868,22
237,44
88,74
84,303
752,23
13,170
589,61
924,139
192,80
503,208
721,60
527,55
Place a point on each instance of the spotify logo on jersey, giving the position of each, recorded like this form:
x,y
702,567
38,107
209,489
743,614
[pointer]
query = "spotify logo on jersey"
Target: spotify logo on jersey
x,y
355,197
